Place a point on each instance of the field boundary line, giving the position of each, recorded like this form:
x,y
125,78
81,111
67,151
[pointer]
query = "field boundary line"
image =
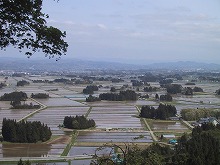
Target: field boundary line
x,y
34,112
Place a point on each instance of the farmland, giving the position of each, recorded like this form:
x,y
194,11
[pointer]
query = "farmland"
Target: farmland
x,y
117,122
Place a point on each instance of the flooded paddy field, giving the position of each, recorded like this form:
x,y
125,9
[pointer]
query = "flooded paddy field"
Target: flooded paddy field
x,y
53,102
106,103
76,88
115,137
30,150
31,89
143,102
115,117
5,105
201,99
54,117
62,91
208,87
82,150
157,125
6,90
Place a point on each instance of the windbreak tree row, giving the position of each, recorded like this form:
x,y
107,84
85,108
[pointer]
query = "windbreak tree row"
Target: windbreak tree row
x,y
122,96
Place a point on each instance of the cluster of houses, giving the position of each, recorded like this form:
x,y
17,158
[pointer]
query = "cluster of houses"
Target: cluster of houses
x,y
206,120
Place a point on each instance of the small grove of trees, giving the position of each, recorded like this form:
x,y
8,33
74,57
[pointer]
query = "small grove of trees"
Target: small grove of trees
x,y
163,112
217,92
196,114
174,88
137,83
187,91
40,95
146,96
92,99
90,89
13,96
25,132
149,77
2,85
22,83
122,96
197,89
166,97
78,122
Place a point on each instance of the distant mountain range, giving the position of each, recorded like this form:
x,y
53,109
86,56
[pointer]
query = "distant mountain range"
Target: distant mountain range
x,y
80,65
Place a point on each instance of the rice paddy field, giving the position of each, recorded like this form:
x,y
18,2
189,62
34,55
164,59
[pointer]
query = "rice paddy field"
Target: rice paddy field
x,y
116,121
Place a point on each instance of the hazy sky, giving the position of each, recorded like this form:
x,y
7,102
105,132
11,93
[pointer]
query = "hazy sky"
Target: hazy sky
x,y
138,31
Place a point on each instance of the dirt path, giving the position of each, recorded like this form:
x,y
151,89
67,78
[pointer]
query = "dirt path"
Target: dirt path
x,y
65,139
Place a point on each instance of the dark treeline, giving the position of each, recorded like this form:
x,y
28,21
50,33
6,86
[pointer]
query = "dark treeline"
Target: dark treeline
x,y
163,112
197,89
25,132
122,96
42,81
40,95
190,83
18,74
17,105
79,81
22,83
13,96
78,122
90,89
150,89
92,98
117,80
166,81
218,92
61,80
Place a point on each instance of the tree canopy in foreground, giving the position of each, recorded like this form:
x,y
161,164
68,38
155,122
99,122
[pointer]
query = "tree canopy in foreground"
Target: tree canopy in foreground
x,y
23,26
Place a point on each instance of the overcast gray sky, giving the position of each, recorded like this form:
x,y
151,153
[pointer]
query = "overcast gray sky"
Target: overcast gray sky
x,y
138,31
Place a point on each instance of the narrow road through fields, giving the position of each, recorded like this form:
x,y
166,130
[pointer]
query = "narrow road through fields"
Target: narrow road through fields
x,y
148,127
